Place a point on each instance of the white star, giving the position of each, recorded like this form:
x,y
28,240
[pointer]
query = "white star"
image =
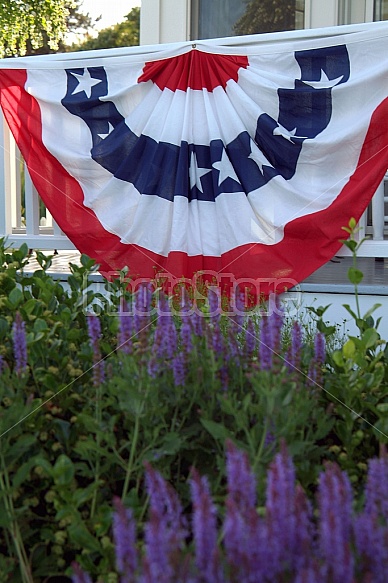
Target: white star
x,y
110,130
225,169
258,157
324,82
196,173
282,131
85,83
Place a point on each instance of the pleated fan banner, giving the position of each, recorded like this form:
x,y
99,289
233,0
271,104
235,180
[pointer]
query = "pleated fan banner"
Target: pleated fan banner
x,y
239,160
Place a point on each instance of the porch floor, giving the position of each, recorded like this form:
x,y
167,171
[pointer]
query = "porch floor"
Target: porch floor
x,y
330,278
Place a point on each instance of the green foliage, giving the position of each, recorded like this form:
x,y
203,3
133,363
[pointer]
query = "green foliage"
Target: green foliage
x,y
68,446
266,16
34,22
123,34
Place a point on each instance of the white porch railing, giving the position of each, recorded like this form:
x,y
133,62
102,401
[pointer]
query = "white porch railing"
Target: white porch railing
x,y
24,218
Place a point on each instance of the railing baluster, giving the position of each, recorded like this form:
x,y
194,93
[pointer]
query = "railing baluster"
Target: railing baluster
x,y
32,205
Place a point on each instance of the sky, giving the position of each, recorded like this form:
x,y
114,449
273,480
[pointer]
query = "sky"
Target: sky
x,y
112,11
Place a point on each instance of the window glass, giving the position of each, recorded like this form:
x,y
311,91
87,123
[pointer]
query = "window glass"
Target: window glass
x,y
219,18
381,9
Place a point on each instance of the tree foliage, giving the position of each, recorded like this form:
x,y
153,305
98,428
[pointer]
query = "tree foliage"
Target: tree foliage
x,y
266,16
123,34
32,23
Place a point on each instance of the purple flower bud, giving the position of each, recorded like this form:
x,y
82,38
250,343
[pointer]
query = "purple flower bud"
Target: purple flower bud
x,y
335,510
204,530
124,535
19,344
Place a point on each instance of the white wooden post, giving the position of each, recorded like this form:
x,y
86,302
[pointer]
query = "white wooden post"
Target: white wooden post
x,y
32,205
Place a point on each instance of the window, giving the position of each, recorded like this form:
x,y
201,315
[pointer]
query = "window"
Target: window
x,y
220,18
381,10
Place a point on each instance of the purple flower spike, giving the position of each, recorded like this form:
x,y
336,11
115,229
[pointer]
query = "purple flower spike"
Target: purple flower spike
x,y
280,510
94,332
335,526
320,348
304,531
241,479
265,344
204,530
371,540
19,344
376,491
124,535
179,369
294,354
79,576
250,338
214,299
126,329
197,322
275,320
186,332
165,530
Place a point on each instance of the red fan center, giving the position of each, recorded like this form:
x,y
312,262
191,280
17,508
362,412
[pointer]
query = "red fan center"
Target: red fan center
x,y
195,69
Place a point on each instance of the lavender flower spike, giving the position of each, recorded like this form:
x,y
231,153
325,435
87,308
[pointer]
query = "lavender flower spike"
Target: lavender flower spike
x,y
204,529
241,479
280,510
79,576
124,535
377,486
335,509
19,344
94,332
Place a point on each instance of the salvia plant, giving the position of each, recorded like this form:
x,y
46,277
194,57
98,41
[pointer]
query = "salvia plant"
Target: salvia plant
x,y
93,386
284,541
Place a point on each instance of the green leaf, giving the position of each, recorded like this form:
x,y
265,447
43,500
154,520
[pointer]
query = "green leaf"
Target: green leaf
x,y
20,447
355,276
15,297
79,534
349,349
63,470
348,309
370,337
216,430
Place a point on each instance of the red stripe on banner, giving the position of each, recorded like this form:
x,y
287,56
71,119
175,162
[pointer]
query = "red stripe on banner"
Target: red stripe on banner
x,y
308,243
194,70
